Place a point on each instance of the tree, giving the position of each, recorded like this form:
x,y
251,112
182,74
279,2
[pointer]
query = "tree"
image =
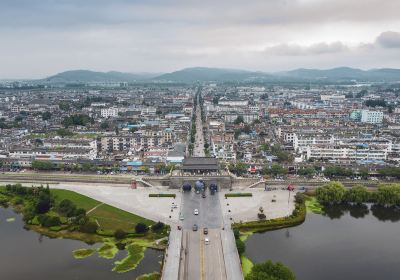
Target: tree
x,y
66,208
46,116
80,119
363,172
104,125
157,227
331,193
308,171
141,228
375,103
332,171
388,195
239,120
64,106
270,271
239,168
42,165
64,132
357,194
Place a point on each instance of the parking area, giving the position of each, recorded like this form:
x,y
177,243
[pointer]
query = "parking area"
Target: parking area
x,y
276,203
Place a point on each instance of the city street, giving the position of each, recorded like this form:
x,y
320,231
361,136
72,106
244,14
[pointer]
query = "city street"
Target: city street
x,y
203,261
199,137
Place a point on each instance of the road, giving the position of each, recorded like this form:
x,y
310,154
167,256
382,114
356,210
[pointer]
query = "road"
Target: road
x,y
202,261
199,137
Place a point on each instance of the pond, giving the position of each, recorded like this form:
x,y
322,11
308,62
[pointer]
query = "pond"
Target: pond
x,y
349,242
28,255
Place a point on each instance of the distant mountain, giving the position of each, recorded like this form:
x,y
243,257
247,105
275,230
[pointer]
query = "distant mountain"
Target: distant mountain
x,y
86,76
203,74
344,74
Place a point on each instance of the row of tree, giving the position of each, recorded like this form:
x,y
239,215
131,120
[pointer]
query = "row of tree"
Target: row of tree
x,y
335,193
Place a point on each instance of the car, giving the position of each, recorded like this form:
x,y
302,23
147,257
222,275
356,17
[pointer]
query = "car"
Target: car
x,y
206,241
181,217
205,230
196,211
203,195
195,227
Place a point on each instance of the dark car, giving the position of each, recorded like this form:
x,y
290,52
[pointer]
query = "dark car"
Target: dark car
x,y
205,230
203,195
195,227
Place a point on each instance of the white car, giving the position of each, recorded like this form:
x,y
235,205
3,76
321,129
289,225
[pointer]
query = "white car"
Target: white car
x,y
206,240
196,211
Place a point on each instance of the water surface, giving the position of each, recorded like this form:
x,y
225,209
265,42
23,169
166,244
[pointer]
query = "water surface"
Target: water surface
x,y
28,255
348,243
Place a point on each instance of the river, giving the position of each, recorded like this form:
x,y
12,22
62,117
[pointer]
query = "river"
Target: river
x,y
26,254
346,243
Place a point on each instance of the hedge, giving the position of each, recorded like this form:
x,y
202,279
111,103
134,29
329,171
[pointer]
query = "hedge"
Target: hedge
x,y
162,195
238,194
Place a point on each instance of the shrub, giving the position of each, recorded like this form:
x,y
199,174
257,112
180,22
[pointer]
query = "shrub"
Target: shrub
x,y
238,194
236,233
141,228
157,226
162,195
49,221
241,247
120,234
89,227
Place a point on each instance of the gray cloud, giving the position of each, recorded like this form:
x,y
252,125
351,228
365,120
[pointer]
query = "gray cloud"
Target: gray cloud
x,y
40,37
299,50
389,39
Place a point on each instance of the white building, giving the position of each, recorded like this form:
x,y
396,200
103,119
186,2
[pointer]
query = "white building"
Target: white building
x,y
109,112
371,117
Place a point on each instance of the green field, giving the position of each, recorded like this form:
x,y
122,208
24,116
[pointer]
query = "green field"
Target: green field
x,y
108,217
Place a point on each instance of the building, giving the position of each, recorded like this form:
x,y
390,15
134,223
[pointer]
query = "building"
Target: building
x,y
372,117
109,112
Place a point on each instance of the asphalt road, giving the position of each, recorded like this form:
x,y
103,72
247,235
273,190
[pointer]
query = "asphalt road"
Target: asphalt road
x,y
199,137
210,214
202,261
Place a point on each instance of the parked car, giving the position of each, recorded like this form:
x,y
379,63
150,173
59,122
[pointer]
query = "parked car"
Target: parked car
x,y
205,230
206,241
196,211
195,227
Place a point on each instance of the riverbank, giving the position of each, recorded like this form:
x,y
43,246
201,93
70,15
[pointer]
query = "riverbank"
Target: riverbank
x,y
297,217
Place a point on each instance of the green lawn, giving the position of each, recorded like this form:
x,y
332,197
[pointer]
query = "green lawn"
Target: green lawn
x,y
109,217
247,265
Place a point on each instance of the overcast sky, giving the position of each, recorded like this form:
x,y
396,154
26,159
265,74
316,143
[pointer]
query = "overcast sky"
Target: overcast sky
x,y
42,37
